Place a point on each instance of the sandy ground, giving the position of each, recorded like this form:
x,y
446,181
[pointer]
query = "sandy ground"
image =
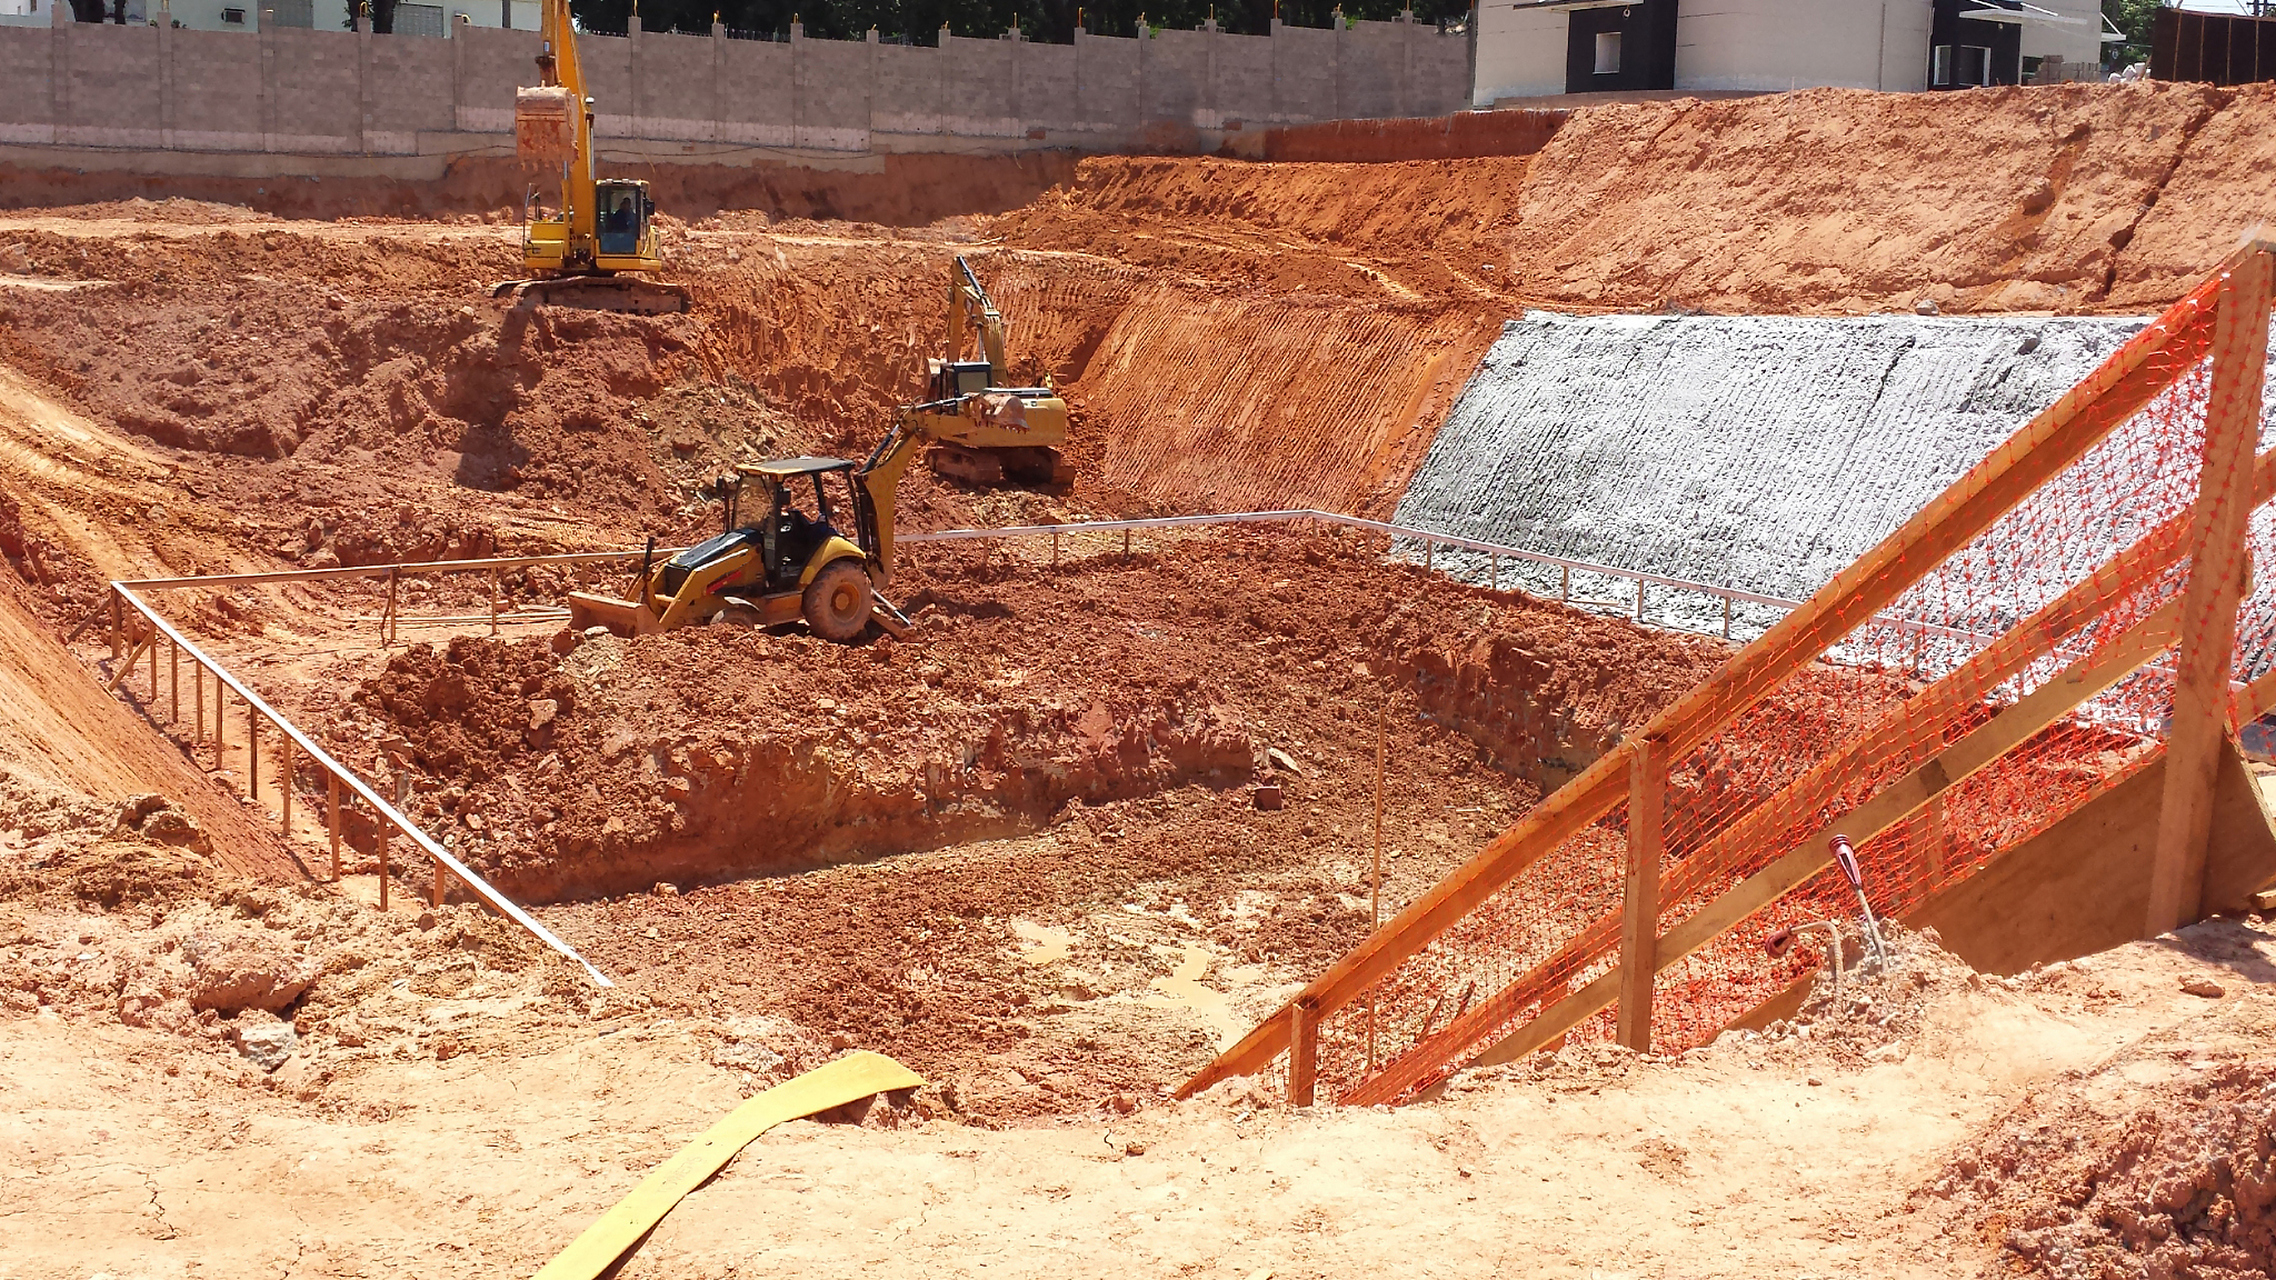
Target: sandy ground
x,y
131,1153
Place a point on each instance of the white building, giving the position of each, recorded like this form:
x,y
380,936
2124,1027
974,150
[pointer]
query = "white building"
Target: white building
x,y
1539,48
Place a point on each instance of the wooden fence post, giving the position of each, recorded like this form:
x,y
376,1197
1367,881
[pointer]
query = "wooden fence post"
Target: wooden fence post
x,y
174,679
332,818
1303,1053
2209,602
284,780
1640,908
197,696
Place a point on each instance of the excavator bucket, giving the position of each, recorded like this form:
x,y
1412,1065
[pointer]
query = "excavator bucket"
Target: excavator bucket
x,y
545,125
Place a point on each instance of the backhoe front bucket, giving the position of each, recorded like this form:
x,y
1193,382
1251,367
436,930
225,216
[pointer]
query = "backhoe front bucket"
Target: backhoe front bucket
x,y
624,617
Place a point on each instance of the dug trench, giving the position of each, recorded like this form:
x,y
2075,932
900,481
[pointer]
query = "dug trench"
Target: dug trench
x,y
867,840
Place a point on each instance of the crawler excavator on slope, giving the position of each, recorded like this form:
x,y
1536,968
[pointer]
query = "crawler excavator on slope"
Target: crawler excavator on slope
x,y
983,431
826,566
601,229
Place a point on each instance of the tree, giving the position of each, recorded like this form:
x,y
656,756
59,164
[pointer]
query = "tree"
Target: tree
x,y
2133,17
381,16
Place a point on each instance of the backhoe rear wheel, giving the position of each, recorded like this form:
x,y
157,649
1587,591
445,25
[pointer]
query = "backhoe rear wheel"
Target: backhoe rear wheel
x,y
837,602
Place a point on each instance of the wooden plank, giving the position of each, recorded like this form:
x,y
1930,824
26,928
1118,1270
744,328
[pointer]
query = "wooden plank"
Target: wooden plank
x,y
420,567
2216,581
849,1079
1303,1054
1554,1021
2082,885
1640,908
2003,733
133,656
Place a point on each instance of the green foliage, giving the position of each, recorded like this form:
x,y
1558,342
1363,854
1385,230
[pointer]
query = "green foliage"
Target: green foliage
x,y
920,21
2132,17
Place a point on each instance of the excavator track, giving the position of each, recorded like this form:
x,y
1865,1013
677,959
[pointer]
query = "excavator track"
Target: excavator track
x,y
623,294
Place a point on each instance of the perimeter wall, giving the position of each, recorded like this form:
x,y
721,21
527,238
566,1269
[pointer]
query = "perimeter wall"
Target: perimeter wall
x,y
708,99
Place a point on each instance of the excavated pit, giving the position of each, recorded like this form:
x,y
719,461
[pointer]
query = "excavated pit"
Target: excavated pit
x,y
1019,849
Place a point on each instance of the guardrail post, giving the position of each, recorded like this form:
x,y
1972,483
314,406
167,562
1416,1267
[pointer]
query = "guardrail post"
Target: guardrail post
x,y
437,897
197,695
1564,584
1303,1052
1640,912
387,615
497,584
174,679
1429,547
332,818
1726,617
252,753
1494,569
220,722
284,781
1639,599
154,689
115,638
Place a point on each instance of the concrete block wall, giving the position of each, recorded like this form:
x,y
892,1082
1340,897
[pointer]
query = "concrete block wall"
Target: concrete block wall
x,y
293,91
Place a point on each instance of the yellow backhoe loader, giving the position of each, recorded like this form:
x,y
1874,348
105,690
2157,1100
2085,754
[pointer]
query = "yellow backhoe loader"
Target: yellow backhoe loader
x,y
825,567
984,431
602,228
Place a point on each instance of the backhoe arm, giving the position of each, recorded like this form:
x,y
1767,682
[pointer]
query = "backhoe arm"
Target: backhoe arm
x,y
880,482
969,303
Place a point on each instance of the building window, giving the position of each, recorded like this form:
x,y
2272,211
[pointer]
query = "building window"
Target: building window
x,y
292,13
234,17
1974,65
1608,53
1940,64
418,19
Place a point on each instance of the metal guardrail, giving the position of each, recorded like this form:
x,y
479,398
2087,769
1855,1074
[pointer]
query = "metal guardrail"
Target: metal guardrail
x,y
337,774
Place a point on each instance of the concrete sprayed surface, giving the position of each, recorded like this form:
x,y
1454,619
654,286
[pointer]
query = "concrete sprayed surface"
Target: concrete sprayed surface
x,y
1757,452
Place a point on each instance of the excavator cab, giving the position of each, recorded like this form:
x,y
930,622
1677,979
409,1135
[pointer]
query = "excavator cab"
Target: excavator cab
x,y
623,209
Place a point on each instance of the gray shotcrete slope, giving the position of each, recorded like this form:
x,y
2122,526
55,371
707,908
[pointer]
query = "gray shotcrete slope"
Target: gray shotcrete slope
x,y
1757,452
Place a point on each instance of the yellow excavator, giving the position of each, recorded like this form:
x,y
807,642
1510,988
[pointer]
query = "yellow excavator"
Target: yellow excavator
x,y
825,566
983,431
601,228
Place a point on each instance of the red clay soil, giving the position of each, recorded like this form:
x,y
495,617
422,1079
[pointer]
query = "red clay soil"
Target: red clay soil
x,y
899,190
1840,200
1027,691
2175,1180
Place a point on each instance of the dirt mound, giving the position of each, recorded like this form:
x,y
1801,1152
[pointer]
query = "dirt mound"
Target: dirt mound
x,y
2180,1184
473,706
619,765
1838,200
